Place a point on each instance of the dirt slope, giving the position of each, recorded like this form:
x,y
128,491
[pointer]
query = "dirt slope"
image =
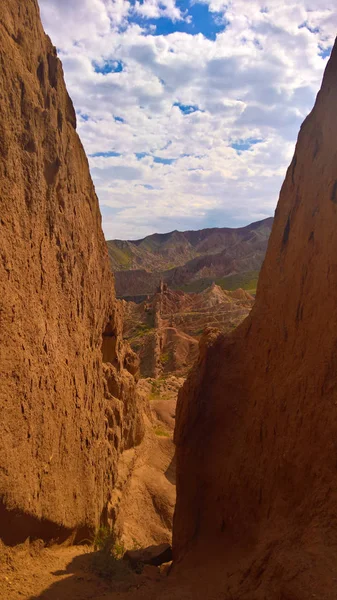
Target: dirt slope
x,y
61,573
189,260
66,415
143,501
257,420
145,491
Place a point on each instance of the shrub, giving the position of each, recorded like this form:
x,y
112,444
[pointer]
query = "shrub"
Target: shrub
x,y
155,388
107,561
164,359
161,432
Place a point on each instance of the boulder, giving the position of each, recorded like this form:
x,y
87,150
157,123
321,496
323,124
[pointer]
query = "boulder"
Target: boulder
x,y
153,555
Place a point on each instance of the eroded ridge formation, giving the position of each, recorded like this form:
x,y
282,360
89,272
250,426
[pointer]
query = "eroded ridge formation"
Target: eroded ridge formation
x,y
257,419
67,387
164,330
189,260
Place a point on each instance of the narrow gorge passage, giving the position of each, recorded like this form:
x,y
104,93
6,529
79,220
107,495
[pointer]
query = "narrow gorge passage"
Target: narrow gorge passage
x,y
205,467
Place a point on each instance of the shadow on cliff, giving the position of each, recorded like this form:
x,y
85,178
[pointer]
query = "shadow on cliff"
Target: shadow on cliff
x,y
170,472
17,526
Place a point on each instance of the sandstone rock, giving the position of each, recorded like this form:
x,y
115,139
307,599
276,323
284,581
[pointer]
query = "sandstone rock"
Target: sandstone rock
x,y
165,568
153,555
60,326
257,419
150,572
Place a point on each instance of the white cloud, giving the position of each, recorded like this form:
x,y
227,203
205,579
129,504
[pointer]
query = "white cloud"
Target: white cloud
x,y
152,9
256,81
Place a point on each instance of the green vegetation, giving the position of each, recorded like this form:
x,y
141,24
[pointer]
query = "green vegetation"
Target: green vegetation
x,y
246,281
194,287
107,561
149,244
139,331
122,257
165,358
161,431
155,390
143,328
136,345
107,541
136,544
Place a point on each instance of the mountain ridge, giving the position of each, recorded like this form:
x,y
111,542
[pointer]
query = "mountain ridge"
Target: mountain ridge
x,y
186,232
184,258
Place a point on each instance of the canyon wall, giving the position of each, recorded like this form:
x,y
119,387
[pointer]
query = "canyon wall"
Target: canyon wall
x,y
257,419
67,387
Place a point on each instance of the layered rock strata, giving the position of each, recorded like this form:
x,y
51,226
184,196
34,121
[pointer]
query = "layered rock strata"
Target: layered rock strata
x,y
189,260
165,329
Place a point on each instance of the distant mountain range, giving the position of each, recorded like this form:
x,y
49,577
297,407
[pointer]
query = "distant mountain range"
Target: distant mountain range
x,y
190,260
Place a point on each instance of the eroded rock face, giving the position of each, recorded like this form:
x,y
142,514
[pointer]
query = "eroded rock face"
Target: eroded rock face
x,y
144,495
165,329
62,427
257,420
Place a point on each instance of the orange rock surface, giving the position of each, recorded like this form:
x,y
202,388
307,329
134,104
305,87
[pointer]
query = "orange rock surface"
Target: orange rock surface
x,y
257,419
63,423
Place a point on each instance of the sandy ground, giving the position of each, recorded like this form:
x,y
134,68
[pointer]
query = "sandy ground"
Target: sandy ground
x,y
34,572
31,572
58,573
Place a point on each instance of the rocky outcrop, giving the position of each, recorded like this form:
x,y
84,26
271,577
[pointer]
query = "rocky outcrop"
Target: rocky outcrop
x,y
165,329
63,428
257,419
190,260
153,555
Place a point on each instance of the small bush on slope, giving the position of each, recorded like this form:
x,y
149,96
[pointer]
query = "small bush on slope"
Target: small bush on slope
x,y
107,562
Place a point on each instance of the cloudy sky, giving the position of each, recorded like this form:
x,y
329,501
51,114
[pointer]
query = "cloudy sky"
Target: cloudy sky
x,y
189,109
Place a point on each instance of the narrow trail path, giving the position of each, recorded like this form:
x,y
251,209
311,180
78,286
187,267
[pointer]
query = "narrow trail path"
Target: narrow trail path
x,y
58,573
33,572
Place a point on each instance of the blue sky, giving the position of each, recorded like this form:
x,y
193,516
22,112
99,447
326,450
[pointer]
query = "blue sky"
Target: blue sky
x,y
198,19
189,111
